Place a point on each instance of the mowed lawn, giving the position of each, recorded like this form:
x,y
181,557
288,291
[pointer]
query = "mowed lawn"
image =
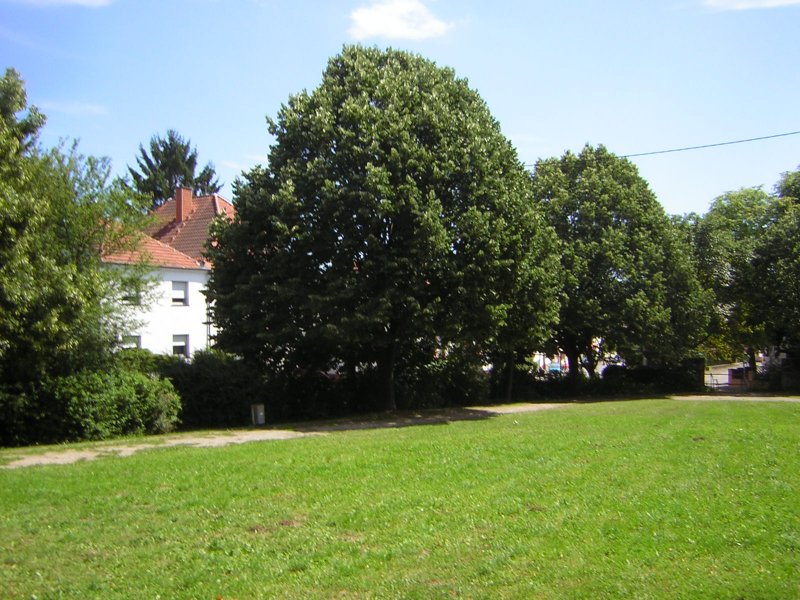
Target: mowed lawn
x,y
637,499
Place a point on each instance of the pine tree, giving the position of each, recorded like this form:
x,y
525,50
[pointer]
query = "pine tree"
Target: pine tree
x,y
171,163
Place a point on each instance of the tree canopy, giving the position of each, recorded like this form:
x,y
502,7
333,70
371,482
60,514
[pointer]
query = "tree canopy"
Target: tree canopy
x,y
745,246
170,163
59,211
18,133
629,284
789,185
393,218
724,240
775,277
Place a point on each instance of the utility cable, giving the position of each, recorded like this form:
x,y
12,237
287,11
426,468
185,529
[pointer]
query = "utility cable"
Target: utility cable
x,y
755,139
687,148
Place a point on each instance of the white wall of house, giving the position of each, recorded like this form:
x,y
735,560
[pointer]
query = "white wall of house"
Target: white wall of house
x,y
175,320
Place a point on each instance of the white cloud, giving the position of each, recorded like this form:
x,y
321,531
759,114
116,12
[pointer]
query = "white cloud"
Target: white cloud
x,y
395,20
73,108
748,4
87,3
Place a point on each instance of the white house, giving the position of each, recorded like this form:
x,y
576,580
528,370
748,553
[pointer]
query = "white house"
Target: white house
x,y
176,318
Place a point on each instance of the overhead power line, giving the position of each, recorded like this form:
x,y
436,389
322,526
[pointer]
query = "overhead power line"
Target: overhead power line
x,y
756,139
687,148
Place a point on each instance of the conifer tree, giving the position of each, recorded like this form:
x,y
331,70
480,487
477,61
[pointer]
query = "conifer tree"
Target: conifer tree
x,y
170,163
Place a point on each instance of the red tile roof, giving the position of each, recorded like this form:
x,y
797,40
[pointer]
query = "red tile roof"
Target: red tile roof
x,y
155,253
190,235
169,243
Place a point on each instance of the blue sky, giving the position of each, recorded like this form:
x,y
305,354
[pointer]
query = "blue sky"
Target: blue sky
x,y
635,75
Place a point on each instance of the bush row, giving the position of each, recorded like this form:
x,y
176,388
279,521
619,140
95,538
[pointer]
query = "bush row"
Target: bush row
x,y
615,380
217,390
144,393
88,405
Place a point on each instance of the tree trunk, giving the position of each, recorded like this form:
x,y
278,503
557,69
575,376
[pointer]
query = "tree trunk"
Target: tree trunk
x,y
510,364
751,358
591,364
574,362
386,367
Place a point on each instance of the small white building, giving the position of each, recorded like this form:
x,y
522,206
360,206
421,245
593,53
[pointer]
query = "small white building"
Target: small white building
x,y
175,318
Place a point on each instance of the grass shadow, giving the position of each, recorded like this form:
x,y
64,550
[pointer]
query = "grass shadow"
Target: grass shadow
x,y
395,420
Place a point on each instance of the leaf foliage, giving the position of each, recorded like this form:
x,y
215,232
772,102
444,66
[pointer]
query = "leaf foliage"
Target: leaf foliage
x,y
393,214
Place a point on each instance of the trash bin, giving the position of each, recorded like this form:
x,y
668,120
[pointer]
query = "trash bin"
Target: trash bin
x,y
257,414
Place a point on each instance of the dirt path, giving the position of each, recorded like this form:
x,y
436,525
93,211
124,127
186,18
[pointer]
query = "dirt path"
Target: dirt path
x,y
405,419
66,457
225,438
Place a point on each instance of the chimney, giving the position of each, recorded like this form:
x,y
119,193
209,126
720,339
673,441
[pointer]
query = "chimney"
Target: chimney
x,y
183,203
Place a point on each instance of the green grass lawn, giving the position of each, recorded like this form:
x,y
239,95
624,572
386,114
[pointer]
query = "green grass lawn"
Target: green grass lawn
x,y
639,499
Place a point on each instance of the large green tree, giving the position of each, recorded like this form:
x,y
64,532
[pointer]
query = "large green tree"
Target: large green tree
x,y
393,215
18,133
171,162
629,284
59,211
725,239
788,185
775,277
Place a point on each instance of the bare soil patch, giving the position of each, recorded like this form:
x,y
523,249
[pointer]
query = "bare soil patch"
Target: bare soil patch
x,y
65,457
218,439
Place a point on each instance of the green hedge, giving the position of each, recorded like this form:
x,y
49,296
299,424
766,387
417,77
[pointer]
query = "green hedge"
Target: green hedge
x,y
101,405
216,389
88,405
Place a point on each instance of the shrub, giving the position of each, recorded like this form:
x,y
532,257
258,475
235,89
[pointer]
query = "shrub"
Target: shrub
x,y
771,376
16,407
139,360
98,405
216,389
309,395
615,380
619,379
455,380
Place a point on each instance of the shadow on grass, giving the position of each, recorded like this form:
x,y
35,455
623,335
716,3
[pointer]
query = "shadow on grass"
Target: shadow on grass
x,y
432,416
397,419
443,416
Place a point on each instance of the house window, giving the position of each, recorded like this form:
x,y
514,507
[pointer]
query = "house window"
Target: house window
x,y
180,345
180,293
131,341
